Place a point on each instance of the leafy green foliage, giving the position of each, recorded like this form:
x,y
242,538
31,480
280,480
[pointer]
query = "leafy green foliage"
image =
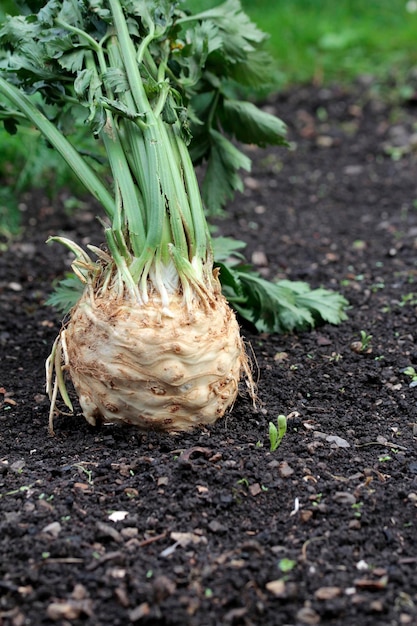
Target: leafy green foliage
x,y
66,293
222,178
249,124
165,64
283,306
210,58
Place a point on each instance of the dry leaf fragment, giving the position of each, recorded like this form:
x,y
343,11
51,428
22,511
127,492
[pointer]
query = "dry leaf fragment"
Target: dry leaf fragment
x,y
53,529
139,612
185,539
255,489
276,587
69,610
82,486
306,515
327,593
379,572
372,585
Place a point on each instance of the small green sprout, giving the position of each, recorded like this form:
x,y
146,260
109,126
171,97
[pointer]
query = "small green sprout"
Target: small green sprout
x,y
317,499
276,433
384,458
16,491
411,372
84,470
43,496
286,565
409,298
377,286
363,345
365,340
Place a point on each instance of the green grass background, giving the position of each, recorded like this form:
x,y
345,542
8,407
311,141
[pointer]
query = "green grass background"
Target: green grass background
x,y
329,40
319,41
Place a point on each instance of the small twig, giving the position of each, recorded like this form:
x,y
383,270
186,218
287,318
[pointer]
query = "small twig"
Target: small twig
x,y
146,542
386,444
69,559
306,544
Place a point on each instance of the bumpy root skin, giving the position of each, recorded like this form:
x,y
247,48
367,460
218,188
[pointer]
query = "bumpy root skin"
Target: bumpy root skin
x,y
131,364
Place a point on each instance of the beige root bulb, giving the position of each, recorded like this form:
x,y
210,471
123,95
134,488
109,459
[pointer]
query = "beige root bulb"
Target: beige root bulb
x,y
132,364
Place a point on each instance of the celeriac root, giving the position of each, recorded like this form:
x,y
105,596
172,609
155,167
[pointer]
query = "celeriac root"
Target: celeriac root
x,y
130,363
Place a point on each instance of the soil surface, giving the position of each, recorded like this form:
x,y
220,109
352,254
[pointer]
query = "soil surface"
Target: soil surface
x,y
111,526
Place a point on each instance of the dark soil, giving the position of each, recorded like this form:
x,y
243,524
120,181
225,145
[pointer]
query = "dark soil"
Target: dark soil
x,y
216,529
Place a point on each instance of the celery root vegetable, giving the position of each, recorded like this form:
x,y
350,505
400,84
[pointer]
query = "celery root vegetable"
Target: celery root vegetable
x,y
168,365
136,365
152,340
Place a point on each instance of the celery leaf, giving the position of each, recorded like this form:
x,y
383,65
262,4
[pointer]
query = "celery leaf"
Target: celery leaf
x,y
66,293
278,307
222,178
250,124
